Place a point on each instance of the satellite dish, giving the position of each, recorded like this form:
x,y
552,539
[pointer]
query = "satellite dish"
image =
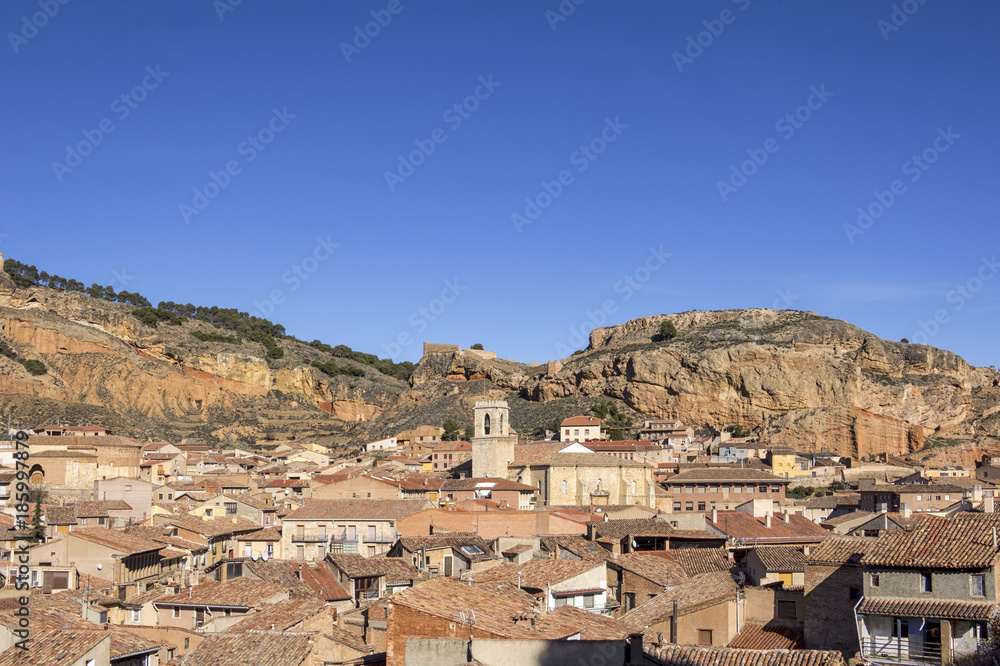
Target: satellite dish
x,y
99,566
264,557
254,557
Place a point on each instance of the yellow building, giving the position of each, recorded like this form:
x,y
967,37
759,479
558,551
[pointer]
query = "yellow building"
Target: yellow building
x,y
786,464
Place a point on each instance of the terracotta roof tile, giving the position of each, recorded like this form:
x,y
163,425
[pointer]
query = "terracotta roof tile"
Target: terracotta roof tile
x,y
738,525
953,610
356,509
568,620
781,558
661,570
675,655
53,646
273,648
124,543
457,541
965,541
704,589
755,636
536,574
621,528
580,421
280,616
840,550
702,560
235,593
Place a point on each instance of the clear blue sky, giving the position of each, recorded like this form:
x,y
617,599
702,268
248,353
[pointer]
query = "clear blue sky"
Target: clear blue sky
x,y
202,85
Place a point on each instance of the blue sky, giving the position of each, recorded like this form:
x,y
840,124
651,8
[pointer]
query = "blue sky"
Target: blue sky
x,y
610,162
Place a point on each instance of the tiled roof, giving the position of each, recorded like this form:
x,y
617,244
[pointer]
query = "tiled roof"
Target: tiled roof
x,y
60,515
848,517
676,655
483,484
587,460
621,528
702,560
580,421
453,541
453,446
517,550
235,593
394,569
495,604
722,475
840,550
578,545
568,620
740,525
965,541
756,636
321,579
265,534
536,574
828,501
351,640
286,574
274,648
100,508
702,590
280,616
663,571
530,454
356,509
214,526
53,646
125,544
953,610
781,558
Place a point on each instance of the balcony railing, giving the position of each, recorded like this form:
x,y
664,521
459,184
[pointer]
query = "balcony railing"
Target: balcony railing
x,y
883,649
309,538
370,595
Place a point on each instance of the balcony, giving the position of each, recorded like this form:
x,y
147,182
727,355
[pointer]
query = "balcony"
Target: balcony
x,y
343,545
307,538
889,650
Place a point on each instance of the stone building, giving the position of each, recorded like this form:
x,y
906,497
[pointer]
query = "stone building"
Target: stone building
x,y
833,585
493,445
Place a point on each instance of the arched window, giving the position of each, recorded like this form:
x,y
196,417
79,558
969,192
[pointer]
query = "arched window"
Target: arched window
x,y
564,487
501,423
486,424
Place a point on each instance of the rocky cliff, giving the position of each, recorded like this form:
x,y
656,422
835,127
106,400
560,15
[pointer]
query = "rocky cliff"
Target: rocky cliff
x,y
794,378
106,366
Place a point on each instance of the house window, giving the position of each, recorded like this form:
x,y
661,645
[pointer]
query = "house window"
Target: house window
x,y
947,497
874,580
588,601
230,508
677,506
563,486
900,627
300,552
704,637
177,614
629,601
128,488
135,614
920,498
786,610
701,506
689,506
560,601
187,643
925,583
854,594
978,585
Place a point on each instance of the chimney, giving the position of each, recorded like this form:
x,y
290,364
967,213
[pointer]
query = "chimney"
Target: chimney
x,y
904,509
673,625
715,515
634,655
788,516
988,504
767,521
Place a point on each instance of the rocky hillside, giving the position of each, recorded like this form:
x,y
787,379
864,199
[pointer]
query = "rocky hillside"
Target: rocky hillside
x,y
105,366
794,378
